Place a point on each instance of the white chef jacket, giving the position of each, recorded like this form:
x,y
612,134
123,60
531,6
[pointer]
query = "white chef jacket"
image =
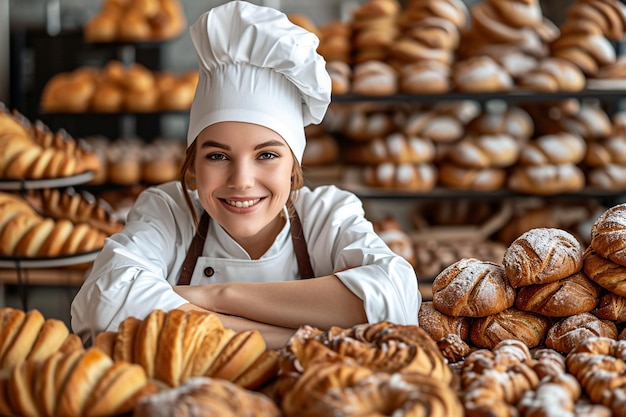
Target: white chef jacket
x,y
137,267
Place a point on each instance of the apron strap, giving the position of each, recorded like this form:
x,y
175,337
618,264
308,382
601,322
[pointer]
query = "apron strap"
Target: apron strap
x,y
297,237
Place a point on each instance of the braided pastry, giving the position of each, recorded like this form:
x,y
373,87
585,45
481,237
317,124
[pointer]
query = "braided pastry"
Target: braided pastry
x,y
337,389
598,364
203,396
30,336
74,384
175,346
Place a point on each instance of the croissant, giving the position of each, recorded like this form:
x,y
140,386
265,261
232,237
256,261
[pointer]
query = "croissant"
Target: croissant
x,y
32,151
79,207
73,384
27,234
175,346
29,336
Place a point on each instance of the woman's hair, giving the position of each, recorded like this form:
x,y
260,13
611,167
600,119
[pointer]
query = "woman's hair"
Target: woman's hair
x,y
188,180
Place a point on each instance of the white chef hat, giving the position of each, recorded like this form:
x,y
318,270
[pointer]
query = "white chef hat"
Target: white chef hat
x,y
257,67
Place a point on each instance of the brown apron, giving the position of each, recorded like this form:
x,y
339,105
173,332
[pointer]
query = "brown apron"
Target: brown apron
x,y
197,244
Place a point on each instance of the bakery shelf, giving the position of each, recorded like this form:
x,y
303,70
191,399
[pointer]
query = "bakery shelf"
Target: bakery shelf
x,y
19,263
603,93
16,185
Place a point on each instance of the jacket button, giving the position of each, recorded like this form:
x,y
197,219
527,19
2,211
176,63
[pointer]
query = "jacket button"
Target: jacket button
x,y
209,271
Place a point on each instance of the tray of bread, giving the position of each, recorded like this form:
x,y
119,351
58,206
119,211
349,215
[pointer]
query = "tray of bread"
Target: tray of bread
x,y
22,184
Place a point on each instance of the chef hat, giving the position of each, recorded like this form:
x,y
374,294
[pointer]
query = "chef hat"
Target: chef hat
x,y
257,67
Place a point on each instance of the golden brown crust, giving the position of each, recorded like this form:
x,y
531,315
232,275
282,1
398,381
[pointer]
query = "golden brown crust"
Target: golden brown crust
x,y
567,333
472,288
210,348
612,307
513,324
608,234
169,354
566,297
23,342
11,323
146,343
124,349
542,255
239,354
439,325
604,272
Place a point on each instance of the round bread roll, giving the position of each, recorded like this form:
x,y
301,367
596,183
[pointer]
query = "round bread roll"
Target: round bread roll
x,y
612,307
567,333
424,77
485,151
604,272
542,255
546,179
559,148
439,325
476,179
480,74
404,176
395,148
510,324
514,121
611,150
374,78
609,177
608,234
472,288
566,297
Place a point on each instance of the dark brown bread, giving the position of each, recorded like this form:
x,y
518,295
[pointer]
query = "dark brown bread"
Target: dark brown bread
x,y
515,324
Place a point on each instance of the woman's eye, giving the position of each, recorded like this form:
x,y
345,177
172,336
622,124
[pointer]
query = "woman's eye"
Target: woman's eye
x,y
268,155
216,157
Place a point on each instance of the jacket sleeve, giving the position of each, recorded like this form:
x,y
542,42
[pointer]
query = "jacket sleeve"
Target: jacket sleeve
x,y
135,270
336,229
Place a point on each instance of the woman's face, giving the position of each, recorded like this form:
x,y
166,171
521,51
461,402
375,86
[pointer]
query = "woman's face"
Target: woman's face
x,y
243,177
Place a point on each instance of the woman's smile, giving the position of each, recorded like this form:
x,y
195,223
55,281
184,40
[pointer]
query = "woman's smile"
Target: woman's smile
x,y
242,203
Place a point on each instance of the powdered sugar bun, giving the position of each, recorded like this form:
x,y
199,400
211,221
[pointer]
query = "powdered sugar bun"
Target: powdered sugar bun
x,y
486,151
424,77
477,179
571,331
542,255
361,125
439,325
546,179
559,148
395,147
416,177
480,74
472,288
519,13
608,177
374,78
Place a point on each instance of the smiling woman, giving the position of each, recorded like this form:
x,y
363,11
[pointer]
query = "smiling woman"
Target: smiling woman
x,y
239,235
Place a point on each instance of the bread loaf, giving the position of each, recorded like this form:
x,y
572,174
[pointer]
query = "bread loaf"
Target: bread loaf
x,y
560,148
612,307
608,234
439,325
27,335
473,288
542,255
566,334
605,272
513,324
566,297
175,346
74,384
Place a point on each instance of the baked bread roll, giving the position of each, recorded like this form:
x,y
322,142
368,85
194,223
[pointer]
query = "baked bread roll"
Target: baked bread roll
x,y
480,74
559,148
472,288
374,78
553,74
475,179
604,272
396,148
177,345
567,333
554,299
485,151
542,255
403,176
608,234
511,120
30,336
611,150
79,383
609,177
438,325
453,348
612,307
546,179
515,324
424,77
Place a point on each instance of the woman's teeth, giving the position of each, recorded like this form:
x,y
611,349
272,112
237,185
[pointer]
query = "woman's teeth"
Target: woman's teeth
x,y
243,204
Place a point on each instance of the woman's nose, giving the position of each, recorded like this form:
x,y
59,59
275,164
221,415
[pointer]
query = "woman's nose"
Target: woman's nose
x,y
241,176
